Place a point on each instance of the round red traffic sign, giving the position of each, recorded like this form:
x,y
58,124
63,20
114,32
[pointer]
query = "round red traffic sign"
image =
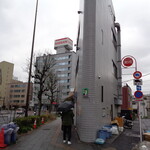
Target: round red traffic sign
x,y
127,62
137,74
138,94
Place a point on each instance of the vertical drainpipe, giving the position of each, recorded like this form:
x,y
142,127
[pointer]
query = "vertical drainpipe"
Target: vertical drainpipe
x,y
117,25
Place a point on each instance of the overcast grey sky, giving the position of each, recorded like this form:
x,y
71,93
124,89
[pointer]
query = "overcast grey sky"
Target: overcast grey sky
x,y
133,15
58,19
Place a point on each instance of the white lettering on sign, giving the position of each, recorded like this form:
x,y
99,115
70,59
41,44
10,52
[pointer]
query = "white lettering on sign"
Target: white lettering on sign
x,y
127,62
64,42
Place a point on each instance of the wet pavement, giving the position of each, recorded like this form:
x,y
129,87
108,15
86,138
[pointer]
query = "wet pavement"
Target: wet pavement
x,y
49,137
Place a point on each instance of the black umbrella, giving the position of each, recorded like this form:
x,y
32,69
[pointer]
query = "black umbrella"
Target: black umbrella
x,y
65,106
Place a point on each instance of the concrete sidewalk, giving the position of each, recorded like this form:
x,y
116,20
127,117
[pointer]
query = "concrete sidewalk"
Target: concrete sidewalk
x,y
49,137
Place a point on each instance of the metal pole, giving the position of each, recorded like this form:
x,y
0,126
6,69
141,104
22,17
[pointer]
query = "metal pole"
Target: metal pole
x,y
140,122
31,58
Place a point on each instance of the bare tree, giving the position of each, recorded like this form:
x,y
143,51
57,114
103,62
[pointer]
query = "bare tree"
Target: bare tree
x,y
52,86
43,72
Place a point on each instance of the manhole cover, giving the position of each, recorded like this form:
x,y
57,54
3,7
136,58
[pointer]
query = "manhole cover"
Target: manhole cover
x,y
46,129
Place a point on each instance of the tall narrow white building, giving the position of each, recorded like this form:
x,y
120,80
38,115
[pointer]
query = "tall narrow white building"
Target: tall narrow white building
x,y
99,68
65,66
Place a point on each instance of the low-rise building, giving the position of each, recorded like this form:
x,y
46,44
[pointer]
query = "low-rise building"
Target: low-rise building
x,y
17,92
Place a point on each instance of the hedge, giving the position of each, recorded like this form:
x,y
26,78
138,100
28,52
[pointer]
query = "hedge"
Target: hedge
x,y
26,123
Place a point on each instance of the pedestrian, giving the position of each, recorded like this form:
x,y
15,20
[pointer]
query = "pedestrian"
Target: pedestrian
x,y
66,111
67,122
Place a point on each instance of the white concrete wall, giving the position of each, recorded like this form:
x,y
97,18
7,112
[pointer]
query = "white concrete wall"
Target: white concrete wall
x,y
96,56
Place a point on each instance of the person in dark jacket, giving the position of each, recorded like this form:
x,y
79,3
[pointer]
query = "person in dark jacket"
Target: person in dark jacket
x,y
67,122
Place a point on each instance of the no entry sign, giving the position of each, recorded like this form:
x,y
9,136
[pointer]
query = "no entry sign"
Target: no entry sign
x,y
137,74
138,94
127,62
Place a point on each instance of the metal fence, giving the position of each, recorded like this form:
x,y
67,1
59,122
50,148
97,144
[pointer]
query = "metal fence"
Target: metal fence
x,y
6,116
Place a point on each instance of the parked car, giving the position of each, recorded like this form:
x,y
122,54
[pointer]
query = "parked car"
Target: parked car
x,y
20,111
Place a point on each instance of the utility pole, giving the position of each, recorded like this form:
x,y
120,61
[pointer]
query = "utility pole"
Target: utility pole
x,y
31,58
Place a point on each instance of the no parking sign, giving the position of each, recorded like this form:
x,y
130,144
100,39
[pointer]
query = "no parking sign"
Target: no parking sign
x,y
138,94
137,74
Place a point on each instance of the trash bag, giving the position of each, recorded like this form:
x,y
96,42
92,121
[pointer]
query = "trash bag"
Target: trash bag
x,y
99,141
5,126
12,125
7,136
65,106
114,130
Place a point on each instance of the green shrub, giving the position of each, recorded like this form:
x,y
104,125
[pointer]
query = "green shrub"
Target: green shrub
x,y
26,123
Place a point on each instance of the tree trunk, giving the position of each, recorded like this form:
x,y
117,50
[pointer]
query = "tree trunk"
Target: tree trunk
x,y
50,108
40,105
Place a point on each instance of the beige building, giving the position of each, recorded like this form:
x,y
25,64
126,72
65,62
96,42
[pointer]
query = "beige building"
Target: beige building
x,y
6,75
17,92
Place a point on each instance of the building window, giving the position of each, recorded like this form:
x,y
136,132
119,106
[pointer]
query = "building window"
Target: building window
x,y
12,86
16,101
16,96
62,63
20,85
62,81
62,69
102,93
102,33
133,103
61,58
16,90
62,75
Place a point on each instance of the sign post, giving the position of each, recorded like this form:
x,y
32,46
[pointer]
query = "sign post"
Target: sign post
x,y
139,114
138,94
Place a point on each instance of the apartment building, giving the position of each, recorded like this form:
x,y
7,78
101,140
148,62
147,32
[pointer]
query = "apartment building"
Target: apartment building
x,y
65,66
99,68
6,75
17,92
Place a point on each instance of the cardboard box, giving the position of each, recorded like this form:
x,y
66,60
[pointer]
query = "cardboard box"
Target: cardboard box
x,y
146,136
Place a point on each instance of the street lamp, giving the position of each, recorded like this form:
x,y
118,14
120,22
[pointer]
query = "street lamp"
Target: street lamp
x,y
31,58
